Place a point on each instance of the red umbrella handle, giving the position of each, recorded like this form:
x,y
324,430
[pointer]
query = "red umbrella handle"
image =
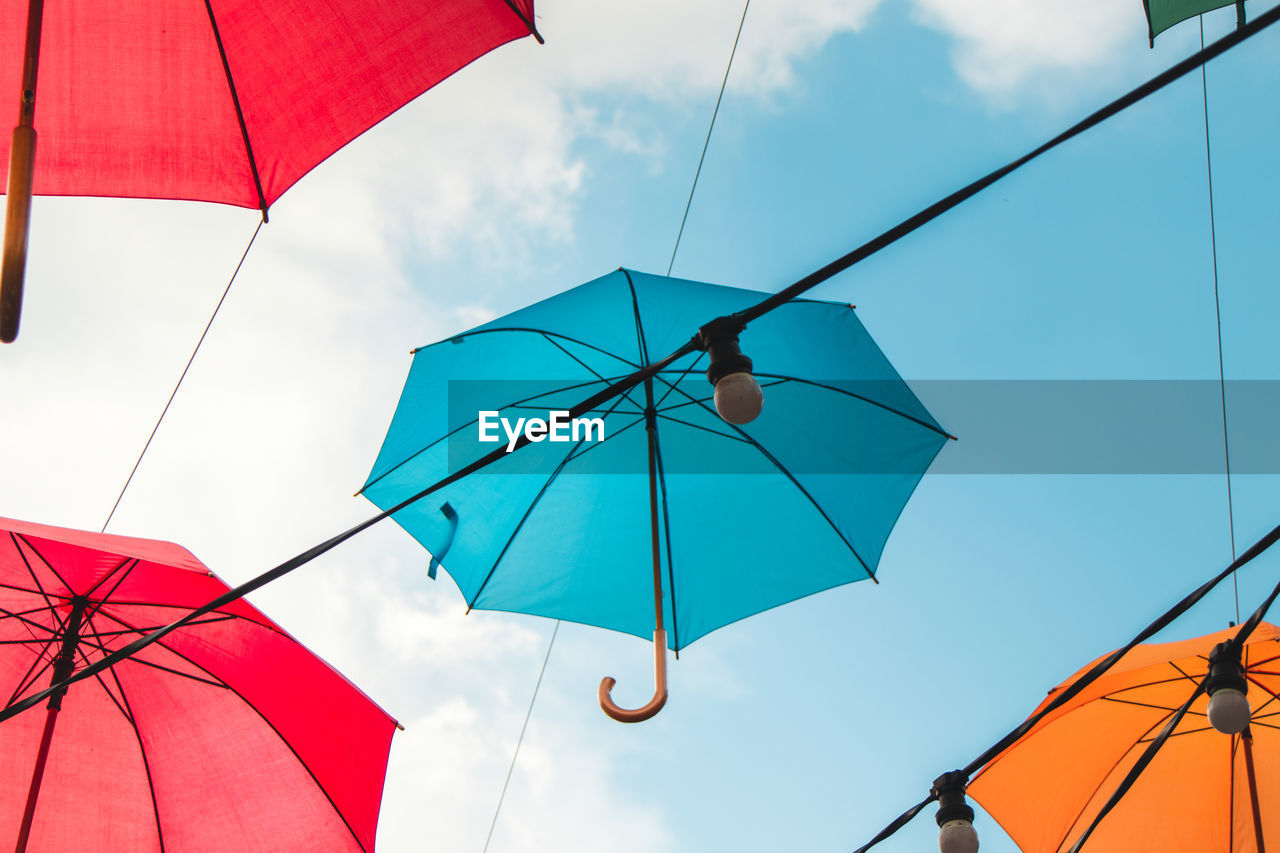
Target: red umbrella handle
x,y
639,715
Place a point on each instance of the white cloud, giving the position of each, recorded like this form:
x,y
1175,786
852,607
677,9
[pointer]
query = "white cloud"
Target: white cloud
x,y
1005,48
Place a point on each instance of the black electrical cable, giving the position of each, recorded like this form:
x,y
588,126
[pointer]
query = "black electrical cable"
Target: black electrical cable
x,y
1237,640
628,382
1095,672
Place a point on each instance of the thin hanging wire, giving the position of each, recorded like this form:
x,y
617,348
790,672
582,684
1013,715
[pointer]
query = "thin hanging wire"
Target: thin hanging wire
x,y
747,315
1217,309
707,142
673,250
174,393
520,740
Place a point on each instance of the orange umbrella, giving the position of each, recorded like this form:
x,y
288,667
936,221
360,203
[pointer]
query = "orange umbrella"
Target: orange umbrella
x,y
1204,791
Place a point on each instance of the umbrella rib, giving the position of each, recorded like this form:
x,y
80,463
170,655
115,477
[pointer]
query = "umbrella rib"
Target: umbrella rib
x,y
20,614
716,432
939,430
666,529
249,704
589,369
223,615
1096,788
151,628
105,649
469,423
235,101
635,311
1145,705
142,752
560,335
18,536
786,473
212,680
32,672
30,591
105,687
532,505
585,448
671,386
135,561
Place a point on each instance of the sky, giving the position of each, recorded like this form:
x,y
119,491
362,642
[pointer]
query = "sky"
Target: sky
x,y
540,167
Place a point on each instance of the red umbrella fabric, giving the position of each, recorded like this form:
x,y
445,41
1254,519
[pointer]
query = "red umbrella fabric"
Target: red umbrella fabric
x,y
227,101
135,100
226,735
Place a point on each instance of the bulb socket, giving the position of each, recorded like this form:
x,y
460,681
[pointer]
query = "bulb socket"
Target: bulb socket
x,y
720,340
1225,670
951,802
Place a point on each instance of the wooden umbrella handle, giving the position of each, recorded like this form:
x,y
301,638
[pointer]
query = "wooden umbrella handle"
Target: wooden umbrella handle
x,y
22,157
639,715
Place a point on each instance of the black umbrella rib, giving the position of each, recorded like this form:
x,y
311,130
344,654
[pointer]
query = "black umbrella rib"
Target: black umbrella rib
x,y
666,531
460,338
235,102
573,451
212,680
17,537
105,649
35,670
30,591
715,432
131,563
303,764
837,390
149,628
96,668
635,310
1150,705
671,386
586,367
473,422
585,448
142,752
102,682
795,482
524,19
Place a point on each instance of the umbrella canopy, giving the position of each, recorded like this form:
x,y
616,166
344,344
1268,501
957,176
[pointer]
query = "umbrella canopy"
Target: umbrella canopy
x,y
226,101
1204,791
227,734
745,517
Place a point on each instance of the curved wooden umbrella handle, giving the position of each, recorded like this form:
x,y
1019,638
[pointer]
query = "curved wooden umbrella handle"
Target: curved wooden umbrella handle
x,y
639,715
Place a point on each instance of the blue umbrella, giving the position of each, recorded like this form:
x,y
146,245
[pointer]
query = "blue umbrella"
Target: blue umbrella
x,y
740,517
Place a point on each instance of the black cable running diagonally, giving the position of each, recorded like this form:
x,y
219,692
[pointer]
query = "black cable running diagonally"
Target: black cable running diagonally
x,y
574,451
215,681
782,469
866,250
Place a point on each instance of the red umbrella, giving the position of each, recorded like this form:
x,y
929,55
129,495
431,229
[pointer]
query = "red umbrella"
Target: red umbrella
x,y
227,734
227,101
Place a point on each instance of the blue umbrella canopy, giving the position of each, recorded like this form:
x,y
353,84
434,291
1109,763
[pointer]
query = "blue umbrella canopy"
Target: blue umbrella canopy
x,y
747,517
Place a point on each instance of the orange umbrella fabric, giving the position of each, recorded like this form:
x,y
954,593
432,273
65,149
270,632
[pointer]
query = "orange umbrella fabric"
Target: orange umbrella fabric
x,y
1199,792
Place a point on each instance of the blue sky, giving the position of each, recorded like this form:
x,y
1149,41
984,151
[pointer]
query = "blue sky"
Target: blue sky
x,y
538,168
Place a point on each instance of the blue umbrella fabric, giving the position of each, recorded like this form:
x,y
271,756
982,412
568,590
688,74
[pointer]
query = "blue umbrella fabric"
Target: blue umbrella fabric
x,y
797,501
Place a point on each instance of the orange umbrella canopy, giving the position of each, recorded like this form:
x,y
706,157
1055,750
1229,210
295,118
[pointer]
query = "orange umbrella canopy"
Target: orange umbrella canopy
x,y
1197,795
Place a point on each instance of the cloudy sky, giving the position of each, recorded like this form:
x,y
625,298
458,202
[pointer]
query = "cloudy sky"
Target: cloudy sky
x,y
540,167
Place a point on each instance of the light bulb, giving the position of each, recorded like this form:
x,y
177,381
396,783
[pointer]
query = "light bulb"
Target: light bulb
x,y
1229,710
958,836
738,398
